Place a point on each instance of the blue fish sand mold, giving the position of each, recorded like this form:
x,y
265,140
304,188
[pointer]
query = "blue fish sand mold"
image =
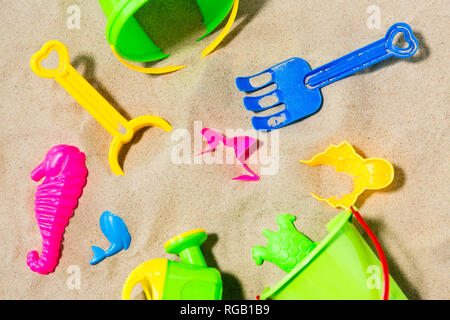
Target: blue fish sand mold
x,y
115,230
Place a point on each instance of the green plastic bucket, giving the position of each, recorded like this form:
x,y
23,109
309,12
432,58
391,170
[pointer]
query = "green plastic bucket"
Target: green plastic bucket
x,y
131,42
342,266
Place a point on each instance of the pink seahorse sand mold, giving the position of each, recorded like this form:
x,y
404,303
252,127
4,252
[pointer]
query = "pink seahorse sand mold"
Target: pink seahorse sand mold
x,y
241,146
65,174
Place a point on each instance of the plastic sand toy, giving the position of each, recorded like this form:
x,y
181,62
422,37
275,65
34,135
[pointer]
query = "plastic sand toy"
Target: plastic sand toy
x,y
241,147
368,174
129,41
286,247
121,129
298,87
115,230
190,279
65,172
338,267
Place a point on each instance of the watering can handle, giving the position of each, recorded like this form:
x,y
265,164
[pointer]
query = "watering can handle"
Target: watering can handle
x,y
131,282
151,275
364,57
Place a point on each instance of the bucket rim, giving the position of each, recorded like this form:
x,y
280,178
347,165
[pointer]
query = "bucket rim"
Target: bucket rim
x,y
336,224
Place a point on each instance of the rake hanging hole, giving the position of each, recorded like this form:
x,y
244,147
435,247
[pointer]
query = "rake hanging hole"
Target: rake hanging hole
x,y
400,42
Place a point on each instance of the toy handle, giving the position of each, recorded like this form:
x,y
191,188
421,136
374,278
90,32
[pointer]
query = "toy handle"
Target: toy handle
x,y
364,57
43,53
409,37
135,278
379,249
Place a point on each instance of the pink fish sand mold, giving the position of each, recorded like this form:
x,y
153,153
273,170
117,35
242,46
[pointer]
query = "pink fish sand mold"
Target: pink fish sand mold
x,y
241,145
65,175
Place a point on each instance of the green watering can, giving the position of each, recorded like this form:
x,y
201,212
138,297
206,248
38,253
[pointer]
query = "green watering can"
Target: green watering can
x,y
190,279
129,40
341,266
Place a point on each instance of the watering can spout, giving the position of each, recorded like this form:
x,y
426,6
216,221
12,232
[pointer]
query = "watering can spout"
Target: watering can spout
x,y
187,246
124,33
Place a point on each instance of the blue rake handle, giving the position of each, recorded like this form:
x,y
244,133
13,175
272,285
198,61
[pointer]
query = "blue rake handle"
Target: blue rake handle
x,y
364,57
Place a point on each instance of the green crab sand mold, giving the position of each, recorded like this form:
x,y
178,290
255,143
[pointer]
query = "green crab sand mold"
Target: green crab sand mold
x,y
285,247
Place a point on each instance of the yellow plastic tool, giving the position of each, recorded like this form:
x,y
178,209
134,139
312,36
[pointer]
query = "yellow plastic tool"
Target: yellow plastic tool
x,y
152,277
65,74
372,173
160,70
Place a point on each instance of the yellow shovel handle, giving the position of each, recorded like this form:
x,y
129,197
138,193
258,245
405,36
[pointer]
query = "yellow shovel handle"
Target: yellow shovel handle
x,y
81,90
86,95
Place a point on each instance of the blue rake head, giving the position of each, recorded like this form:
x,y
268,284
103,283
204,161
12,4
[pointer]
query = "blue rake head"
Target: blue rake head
x,y
299,101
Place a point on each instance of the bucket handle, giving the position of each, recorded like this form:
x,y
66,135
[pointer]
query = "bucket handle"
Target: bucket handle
x,y
379,249
224,32
160,70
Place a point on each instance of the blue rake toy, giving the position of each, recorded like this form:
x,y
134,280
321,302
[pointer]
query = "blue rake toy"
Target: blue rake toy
x,y
298,87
